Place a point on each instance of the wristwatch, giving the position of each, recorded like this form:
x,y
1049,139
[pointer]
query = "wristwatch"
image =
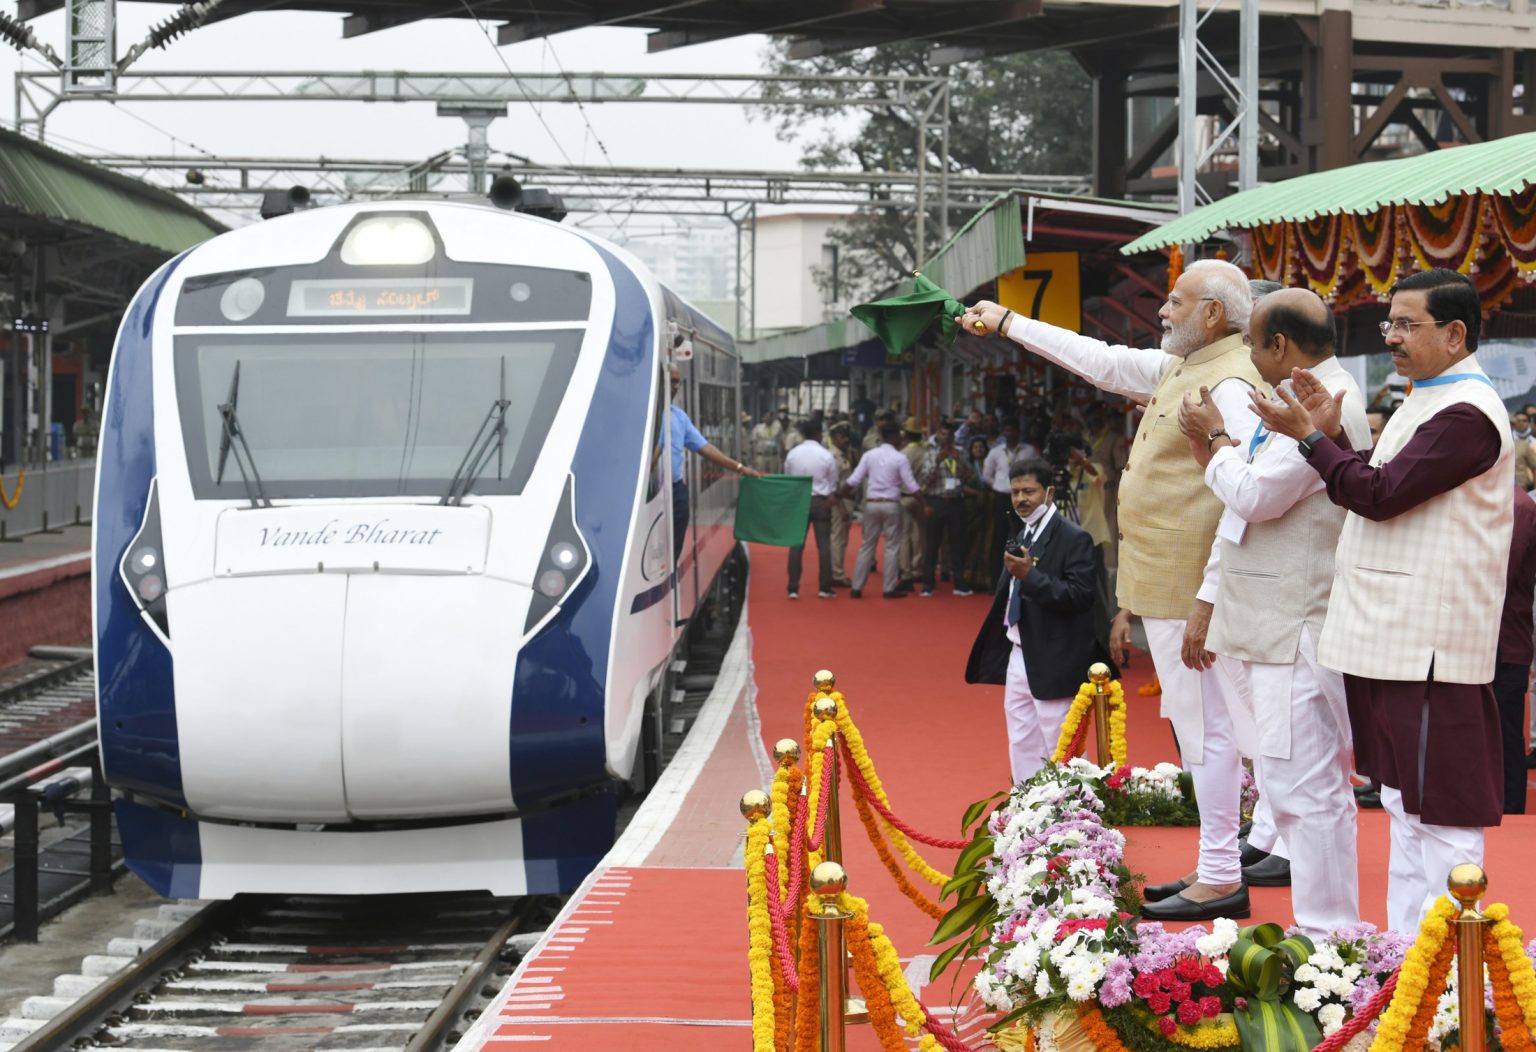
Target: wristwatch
x,y
1311,442
1212,436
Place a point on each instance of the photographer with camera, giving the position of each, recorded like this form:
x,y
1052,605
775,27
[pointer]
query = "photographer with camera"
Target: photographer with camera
x,y
1047,623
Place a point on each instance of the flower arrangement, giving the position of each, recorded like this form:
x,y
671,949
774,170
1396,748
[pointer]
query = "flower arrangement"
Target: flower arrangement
x,y
1045,901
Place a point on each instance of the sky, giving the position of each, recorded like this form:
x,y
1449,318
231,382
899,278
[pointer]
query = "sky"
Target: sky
x,y
672,135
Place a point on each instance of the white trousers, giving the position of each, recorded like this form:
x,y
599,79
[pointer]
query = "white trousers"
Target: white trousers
x,y
1200,704
1422,857
1308,789
1034,723
1262,834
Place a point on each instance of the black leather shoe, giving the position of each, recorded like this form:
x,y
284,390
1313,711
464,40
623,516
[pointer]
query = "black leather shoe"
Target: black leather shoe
x,y
1159,892
1369,801
1248,854
1243,830
894,595
1178,908
1366,789
1270,872
856,594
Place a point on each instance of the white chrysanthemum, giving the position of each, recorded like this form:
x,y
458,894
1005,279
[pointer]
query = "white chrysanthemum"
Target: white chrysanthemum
x,y
1352,972
1331,1017
1308,999
1306,973
1043,985
1220,940
1079,988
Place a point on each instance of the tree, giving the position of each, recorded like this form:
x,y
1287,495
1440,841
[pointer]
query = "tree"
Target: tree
x,y
1029,114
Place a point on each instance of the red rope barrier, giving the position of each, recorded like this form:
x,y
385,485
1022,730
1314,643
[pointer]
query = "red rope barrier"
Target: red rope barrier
x,y
856,776
1079,744
941,1033
819,830
796,859
780,935
1362,1018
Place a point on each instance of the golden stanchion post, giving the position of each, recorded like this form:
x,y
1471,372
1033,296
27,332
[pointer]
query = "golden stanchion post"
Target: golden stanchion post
x,y
1467,883
786,753
826,709
829,881
1098,675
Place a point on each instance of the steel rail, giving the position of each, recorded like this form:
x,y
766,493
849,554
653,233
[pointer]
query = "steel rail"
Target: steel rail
x,y
434,1031
119,990
53,677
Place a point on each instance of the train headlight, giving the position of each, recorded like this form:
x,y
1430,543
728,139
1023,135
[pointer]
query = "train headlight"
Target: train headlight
x,y
564,564
388,241
142,568
242,299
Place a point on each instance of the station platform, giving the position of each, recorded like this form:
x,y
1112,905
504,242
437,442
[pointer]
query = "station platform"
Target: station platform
x,y
651,951
45,590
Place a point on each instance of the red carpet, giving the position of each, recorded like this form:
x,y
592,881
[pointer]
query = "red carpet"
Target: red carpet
x,y
939,743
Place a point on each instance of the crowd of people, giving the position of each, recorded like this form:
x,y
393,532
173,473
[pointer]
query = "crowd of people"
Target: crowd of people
x,y
1320,591
936,506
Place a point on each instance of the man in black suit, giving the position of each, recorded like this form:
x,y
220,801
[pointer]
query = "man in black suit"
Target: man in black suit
x,y
1047,624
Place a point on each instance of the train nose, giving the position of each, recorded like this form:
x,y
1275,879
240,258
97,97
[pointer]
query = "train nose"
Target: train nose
x,y
384,680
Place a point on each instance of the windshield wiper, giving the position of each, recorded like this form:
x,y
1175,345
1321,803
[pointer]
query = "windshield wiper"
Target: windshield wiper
x,y
492,429
234,439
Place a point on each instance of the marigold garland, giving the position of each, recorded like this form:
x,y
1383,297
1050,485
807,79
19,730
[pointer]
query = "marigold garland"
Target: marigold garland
x,y
1522,977
760,943
855,742
1150,689
1415,982
895,980
15,498
807,1039
877,999
907,888
1076,716
814,775
1515,1036
1209,1034
781,818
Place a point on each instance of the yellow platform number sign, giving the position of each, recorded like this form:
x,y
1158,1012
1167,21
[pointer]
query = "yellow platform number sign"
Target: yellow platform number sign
x,y
1045,288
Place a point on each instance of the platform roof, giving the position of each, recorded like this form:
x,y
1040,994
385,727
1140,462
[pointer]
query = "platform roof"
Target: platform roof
x,y
1503,166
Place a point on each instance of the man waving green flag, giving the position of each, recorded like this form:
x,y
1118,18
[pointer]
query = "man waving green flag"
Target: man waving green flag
x,y
899,321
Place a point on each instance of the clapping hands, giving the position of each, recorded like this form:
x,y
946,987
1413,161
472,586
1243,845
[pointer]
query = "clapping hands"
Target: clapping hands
x,y
1311,408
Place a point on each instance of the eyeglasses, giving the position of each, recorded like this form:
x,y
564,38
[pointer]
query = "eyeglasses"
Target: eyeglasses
x,y
1404,326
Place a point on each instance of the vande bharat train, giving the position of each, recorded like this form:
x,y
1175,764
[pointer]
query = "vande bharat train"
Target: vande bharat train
x,y
385,585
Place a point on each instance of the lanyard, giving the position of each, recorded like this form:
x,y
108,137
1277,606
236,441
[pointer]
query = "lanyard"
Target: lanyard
x,y
1436,381
1259,435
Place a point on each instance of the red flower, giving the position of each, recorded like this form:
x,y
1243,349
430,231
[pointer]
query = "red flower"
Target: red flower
x,y
1189,1013
1165,977
1180,991
1240,1003
1159,1003
1210,1007
1212,976
1119,778
1167,1026
1144,985
1188,968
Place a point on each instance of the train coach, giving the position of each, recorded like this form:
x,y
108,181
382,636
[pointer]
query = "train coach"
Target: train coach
x,y
385,590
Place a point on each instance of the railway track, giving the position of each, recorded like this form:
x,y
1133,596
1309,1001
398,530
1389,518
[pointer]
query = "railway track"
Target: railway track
x,y
284,973
44,703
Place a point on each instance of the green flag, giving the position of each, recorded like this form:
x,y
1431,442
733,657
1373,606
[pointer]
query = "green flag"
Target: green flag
x,y
774,509
899,321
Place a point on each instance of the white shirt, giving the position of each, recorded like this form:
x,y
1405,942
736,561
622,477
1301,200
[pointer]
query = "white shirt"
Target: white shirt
x,y
1000,460
1267,476
810,457
1130,371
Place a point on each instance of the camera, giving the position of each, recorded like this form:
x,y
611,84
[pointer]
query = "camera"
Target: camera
x,y
1013,547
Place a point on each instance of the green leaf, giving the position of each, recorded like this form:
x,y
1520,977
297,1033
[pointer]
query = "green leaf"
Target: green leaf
x,y
973,855
1008,1020
962,918
943,961
962,882
976,810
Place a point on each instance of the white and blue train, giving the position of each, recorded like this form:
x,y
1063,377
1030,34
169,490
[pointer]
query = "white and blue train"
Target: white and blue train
x,y
385,585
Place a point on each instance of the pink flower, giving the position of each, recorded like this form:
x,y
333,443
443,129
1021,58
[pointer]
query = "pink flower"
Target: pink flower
x,y
1210,1007
1189,1013
1180,991
1211,976
1240,1003
1167,1026
1159,1003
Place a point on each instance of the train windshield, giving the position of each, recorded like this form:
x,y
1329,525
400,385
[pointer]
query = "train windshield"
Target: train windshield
x,y
367,414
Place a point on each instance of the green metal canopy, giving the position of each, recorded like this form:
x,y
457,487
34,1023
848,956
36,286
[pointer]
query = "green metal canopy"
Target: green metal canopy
x,y
40,182
1503,166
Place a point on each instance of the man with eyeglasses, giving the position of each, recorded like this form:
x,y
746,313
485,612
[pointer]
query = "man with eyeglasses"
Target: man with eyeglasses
x,y
1413,619
1167,522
